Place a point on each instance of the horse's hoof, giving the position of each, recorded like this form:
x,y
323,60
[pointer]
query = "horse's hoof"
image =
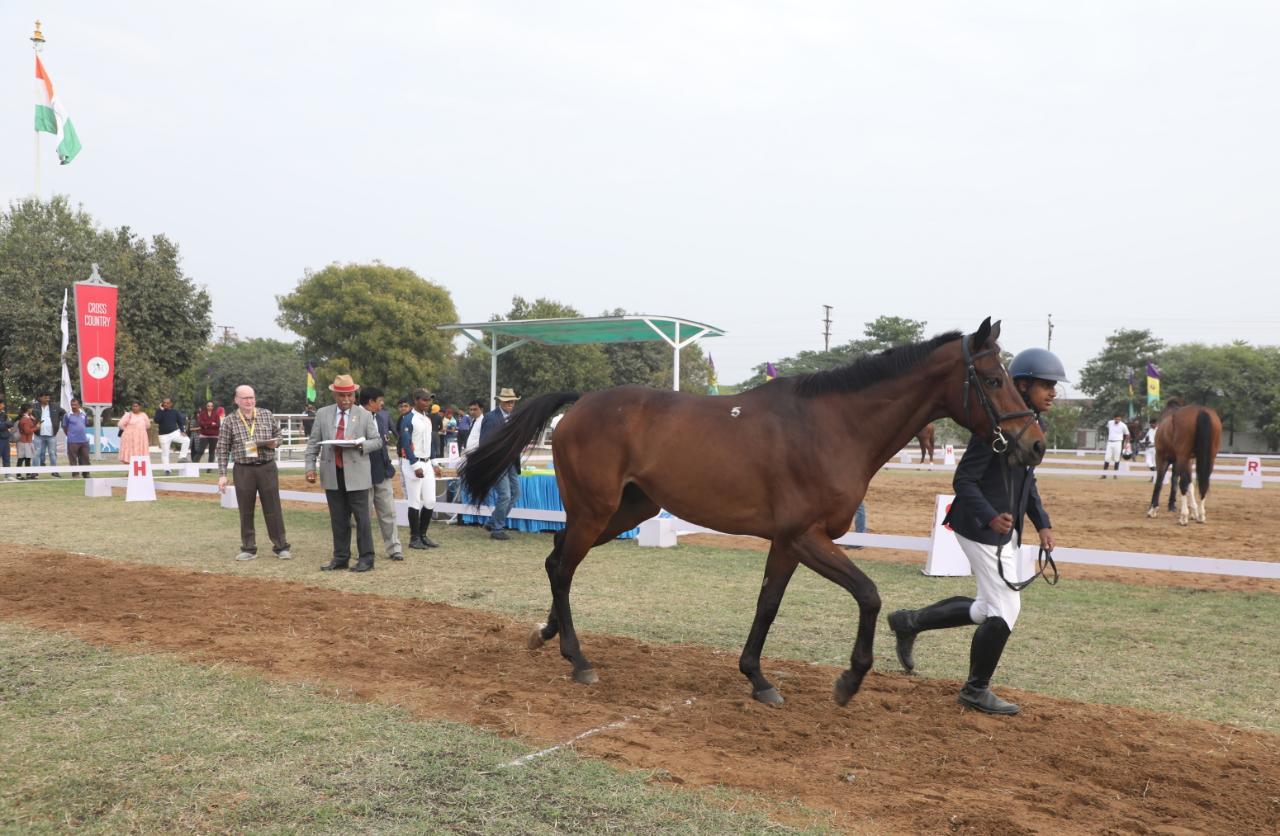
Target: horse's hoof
x,y
769,696
535,639
1152,512
845,689
586,676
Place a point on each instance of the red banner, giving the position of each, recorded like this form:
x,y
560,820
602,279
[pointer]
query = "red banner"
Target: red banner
x,y
96,341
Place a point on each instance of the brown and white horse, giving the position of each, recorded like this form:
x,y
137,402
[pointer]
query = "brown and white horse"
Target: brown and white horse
x,y
1186,432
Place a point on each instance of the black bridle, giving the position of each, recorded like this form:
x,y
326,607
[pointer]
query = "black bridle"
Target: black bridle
x,y
1000,443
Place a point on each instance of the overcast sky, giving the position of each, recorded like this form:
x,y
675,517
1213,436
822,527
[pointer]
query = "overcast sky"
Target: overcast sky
x,y
736,163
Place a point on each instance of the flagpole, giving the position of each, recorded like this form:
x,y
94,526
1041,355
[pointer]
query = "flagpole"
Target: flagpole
x,y
37,44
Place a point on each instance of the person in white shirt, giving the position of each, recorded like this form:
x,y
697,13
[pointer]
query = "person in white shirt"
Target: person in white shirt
x,y
1149,445
477,417
1117,432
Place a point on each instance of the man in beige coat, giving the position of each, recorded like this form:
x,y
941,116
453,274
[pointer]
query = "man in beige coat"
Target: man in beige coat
x,y
342,438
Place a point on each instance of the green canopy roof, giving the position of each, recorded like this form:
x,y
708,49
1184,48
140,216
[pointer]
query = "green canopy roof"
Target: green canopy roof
x,y
631,328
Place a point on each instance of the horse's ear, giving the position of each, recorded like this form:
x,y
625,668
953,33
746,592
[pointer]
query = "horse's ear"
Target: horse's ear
x,y
980,336
995,332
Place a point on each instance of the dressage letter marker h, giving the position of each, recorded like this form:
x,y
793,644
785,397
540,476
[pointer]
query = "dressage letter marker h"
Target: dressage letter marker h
x,y
142,485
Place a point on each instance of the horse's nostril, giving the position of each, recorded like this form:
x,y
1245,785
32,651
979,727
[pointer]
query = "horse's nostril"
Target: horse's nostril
x,y
1038,447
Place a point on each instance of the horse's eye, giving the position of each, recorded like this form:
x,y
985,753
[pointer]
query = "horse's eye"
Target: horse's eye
x,y
993,382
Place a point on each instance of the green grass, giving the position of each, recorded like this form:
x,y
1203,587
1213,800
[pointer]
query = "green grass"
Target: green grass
x,y
1204,654
113,742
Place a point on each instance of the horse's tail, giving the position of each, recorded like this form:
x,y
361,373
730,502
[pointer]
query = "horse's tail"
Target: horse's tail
x,y
486,464
1204,451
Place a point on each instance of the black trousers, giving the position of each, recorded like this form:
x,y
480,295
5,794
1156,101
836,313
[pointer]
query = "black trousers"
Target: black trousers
x,y
199,444
343,504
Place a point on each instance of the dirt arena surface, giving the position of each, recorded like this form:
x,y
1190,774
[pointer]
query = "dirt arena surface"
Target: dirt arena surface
x,y
902,758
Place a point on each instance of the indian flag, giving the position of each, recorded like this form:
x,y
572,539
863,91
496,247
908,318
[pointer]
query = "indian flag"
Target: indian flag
x,y
51,118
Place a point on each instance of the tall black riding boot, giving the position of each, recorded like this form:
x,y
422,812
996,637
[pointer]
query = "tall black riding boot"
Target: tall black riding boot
x,y
906,624
424,522
415,542
988,643
1105,467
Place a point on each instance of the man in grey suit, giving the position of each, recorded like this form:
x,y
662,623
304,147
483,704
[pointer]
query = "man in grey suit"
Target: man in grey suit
x,y
344,471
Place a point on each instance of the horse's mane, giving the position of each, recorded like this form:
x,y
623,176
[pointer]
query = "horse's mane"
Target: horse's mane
x,y
870,369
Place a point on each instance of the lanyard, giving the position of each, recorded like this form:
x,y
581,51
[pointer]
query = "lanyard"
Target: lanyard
x,y
247,425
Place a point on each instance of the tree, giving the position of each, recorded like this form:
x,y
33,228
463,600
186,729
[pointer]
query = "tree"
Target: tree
x,y
163,317
274,369
1105,378
375,322
1237,380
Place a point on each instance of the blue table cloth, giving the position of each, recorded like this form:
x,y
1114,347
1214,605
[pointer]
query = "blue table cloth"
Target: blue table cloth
x,y
536,491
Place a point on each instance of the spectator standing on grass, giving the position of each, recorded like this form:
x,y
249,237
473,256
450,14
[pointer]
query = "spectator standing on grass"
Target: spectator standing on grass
x,y
308,419
464,427
450,432
437,430
48,418
171,425
208,428
133,433
344,471
992,498
27,427
475,411
249,437
5,435
382,497
508,486
76,425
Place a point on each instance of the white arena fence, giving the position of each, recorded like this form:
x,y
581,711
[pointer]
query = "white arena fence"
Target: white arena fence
x,y
665,531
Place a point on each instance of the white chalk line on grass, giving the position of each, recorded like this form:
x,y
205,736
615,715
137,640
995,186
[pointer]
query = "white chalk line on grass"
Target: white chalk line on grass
x,y
616,724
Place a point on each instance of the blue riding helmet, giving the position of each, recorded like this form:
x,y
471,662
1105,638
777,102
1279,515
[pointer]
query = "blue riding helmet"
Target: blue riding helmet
x,y
1038,363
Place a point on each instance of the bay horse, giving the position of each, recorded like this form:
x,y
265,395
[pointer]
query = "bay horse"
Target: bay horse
x,y
925,437
788,461
1186,432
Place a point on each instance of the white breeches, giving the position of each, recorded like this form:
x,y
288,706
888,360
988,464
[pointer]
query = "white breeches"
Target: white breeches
x,y
419,491
1113,451
994,597
169,439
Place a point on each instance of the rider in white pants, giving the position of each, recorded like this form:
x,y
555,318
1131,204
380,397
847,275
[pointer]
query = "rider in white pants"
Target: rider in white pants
x,y
419,474
1117,432
986,484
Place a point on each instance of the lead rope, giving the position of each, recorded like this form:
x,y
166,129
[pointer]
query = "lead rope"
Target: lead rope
x,y
1044,559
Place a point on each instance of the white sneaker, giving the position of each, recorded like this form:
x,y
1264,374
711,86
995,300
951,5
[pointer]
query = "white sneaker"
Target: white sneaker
x,y
246,556
285,555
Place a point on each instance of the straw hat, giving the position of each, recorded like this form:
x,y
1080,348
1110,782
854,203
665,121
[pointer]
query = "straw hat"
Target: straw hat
x,y
507,394
343,383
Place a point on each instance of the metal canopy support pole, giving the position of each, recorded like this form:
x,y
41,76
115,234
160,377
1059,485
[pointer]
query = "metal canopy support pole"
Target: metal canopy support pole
x,y
494,351
676,344
675,361
97,431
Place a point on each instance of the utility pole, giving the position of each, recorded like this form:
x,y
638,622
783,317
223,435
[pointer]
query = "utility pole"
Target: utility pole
x,y
826,331
1049,343
228,333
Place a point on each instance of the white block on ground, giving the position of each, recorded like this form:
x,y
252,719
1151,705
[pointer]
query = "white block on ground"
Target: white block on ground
x,y
228,498
945,557
949,454
657,533
96,487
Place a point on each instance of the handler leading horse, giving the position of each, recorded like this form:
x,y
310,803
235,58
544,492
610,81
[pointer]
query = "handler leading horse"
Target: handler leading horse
x,y
1186,432
788,461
